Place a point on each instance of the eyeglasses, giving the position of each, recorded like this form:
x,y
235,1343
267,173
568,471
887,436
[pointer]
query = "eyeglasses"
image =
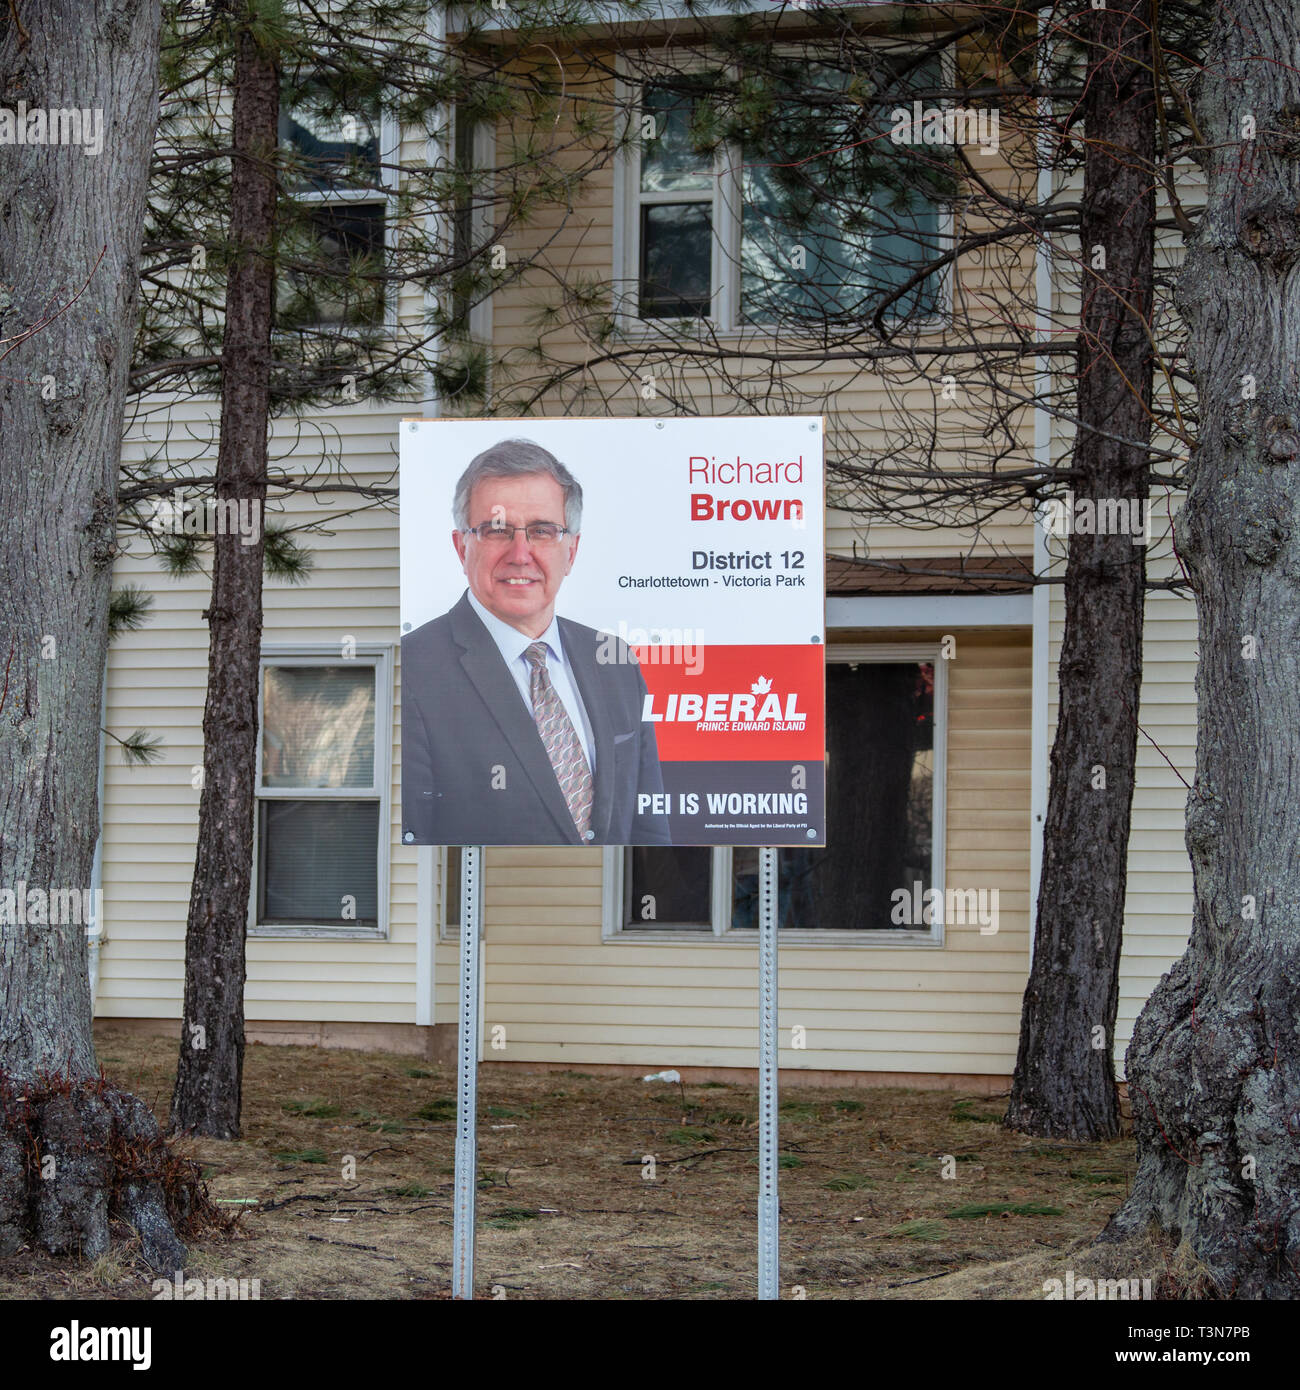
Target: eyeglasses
x,y
538,533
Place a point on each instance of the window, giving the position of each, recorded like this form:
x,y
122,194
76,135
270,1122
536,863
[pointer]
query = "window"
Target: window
x,y
462,376
677,196
668,889
334,248
879,806
451,891
474,153
825,223
810,248
885,710
321,831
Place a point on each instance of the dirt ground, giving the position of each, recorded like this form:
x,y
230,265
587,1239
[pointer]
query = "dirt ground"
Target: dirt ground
x,y
604,1188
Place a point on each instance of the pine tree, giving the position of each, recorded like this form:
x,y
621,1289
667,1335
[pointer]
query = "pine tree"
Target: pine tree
x,y
844,278
313,242
75,1151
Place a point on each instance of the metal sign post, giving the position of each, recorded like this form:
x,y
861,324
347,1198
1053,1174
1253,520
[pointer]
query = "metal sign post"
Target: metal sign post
x,y
769,1205
471,939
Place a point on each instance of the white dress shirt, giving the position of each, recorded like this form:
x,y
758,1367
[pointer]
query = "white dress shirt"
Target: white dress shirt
x,y
513,646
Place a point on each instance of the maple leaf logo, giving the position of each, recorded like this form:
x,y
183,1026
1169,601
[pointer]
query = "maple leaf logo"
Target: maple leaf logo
x,y
761,686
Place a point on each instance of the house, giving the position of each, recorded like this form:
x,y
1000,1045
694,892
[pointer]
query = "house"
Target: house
x,y
937,642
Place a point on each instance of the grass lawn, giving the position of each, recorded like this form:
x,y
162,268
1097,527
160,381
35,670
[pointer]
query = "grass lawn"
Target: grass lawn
x,y
605,1187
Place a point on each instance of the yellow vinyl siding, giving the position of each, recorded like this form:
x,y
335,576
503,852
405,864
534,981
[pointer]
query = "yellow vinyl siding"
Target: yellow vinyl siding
x,y
1158,905
585,241
1158,900
561,993
157,680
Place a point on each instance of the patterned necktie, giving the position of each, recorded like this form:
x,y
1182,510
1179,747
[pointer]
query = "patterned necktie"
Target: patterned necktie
x,y
560,740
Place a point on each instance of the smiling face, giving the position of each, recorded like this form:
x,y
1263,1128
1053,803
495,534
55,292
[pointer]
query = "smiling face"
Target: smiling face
x,y
517,582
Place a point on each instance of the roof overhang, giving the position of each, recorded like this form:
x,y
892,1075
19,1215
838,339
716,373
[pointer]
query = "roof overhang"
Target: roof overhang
x,y
661,16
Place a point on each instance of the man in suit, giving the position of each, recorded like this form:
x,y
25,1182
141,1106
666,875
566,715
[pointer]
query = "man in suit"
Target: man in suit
x,y
519,727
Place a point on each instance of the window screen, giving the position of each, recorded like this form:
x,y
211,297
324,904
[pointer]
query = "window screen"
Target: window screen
x,y
880,796
317,845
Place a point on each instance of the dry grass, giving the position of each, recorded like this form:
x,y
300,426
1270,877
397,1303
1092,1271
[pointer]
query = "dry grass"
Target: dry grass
x,y
564,1208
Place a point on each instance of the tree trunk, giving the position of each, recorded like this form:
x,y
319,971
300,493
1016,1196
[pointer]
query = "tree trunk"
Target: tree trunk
x,y
209,1076
1064,1082
1214,1065
74,1151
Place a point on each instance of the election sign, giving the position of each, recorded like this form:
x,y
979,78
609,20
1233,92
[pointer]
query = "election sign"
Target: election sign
x,y
613,631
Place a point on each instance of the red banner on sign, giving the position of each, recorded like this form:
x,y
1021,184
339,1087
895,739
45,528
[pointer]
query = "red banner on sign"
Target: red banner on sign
x,y
732,703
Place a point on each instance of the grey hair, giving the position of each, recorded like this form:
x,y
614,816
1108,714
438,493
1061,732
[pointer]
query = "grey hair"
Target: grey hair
x,y
517,458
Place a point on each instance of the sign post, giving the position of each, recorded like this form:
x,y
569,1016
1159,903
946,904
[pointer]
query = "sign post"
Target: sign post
x,y
468,1030
769,1205
613,634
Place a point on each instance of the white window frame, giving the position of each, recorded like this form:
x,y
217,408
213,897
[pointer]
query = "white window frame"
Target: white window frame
x,y
614,888
628,201
724,320
378,656
390,144
447,929
614,861
483,156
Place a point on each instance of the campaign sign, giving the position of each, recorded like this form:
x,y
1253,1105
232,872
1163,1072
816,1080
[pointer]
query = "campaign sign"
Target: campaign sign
x,y
613,632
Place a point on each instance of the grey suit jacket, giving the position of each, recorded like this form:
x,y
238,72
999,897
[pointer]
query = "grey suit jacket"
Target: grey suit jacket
x,y
474,769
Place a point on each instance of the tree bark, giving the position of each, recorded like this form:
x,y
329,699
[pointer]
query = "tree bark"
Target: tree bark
x,y
1214,1065
209,1076
74,1151
1064,1082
